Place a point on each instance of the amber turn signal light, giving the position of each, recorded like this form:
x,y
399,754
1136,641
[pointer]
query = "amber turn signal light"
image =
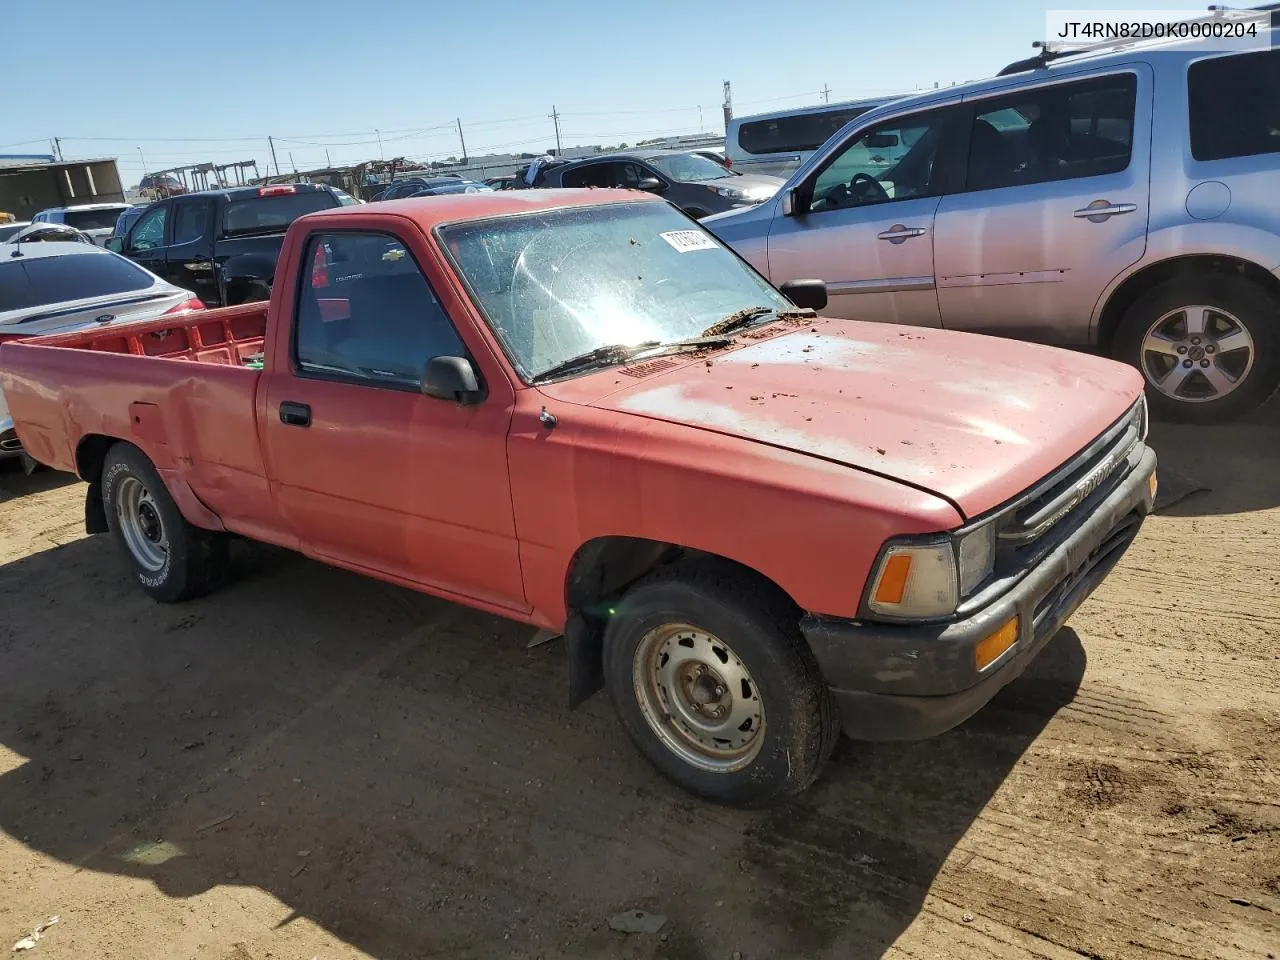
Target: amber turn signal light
x,y
893,582
1153,484
992,646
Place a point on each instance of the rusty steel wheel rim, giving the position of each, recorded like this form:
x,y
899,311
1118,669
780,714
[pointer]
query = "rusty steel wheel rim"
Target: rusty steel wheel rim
x,y
698,698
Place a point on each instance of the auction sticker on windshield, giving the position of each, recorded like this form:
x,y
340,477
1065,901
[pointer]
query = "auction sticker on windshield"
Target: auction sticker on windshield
x,y
688,240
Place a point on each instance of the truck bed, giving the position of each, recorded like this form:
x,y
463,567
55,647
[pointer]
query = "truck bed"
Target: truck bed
x,y
176,387
230,335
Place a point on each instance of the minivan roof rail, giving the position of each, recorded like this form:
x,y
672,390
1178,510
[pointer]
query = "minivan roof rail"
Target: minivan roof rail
x,y
1050,51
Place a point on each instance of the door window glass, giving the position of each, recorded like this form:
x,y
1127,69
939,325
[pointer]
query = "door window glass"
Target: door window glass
x,y
149,232
893,160
590,175
793,134
1058,132
190,221
367,313
1234,104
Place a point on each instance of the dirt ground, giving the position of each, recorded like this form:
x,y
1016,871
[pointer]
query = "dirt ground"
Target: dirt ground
x,y
315,765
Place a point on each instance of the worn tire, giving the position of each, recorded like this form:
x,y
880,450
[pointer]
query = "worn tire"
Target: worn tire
x,y
800,726
195,561
1252,306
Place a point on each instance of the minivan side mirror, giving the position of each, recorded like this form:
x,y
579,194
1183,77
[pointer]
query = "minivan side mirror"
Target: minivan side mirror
x,y
452,378
115,244
806,294
788,207
651,185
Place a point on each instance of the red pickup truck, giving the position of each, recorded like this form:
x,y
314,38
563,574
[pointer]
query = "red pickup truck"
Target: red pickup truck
x,y
753,526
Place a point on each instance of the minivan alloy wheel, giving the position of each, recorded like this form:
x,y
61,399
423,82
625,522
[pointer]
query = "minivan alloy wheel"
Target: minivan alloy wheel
x,y
1198,353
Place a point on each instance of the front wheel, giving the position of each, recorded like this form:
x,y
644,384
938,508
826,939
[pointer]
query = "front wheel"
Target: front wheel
x,y
1207,347
716,686
170,558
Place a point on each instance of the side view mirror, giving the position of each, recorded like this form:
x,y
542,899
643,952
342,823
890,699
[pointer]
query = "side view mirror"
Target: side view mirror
x,y
452,378
115,244
806,294
788,208
651,185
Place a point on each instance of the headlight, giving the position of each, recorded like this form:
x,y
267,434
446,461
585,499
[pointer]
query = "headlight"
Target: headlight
x,y
732,193
928,580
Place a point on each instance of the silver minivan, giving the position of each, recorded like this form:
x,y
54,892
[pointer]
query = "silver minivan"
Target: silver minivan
x,y
1122,201
776,143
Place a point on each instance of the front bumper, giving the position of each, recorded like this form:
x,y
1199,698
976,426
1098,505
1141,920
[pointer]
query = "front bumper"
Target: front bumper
x,y
907,682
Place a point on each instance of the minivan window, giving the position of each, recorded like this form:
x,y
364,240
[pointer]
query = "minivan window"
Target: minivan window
x,y
92,219
37,282
273,213
1234,105
1058,132
795,133
893,160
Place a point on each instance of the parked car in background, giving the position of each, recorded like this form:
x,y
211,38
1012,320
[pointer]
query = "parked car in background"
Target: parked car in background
x,y
159,186
501,183
429,186
450,185
346,199
48,232
692,182
97,220
777,143
714,153
50,288
222,244
126,220
1066,203
578,410
12,228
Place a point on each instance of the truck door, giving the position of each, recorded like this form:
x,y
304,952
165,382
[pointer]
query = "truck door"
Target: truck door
x,y
189,256
368,471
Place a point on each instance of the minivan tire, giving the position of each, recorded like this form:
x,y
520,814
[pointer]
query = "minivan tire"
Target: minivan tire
x,y
732,633
171,559
1235,303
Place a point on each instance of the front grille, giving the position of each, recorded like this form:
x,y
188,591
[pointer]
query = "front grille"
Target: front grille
x,y
1047,514
1090,572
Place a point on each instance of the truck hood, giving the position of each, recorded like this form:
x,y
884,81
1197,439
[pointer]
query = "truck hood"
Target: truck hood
x,y
974,419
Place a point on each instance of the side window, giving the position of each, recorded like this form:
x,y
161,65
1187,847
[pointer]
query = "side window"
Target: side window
x,y
1234,105
190,221
891,161
1059,132
148,233
366,312
589,175
630,173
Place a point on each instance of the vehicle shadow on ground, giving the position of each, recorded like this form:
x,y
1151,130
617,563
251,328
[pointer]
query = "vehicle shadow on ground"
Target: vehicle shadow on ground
x,y
404,773
14,483
1227,468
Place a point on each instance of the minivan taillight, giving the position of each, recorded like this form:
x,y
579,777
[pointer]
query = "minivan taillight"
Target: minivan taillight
x,y
186,306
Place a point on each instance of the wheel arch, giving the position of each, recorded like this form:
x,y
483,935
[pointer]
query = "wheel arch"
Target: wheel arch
x,y
599,573
1132,287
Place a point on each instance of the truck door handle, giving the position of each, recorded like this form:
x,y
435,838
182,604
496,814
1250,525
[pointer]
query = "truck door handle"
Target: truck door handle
x,y
898,233
1100,210
295,414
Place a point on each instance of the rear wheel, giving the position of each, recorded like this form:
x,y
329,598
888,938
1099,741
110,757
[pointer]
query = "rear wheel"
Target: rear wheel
x,y
716,686
171,559
1206,346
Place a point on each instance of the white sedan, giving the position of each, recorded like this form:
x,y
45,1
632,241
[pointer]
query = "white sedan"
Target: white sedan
x,y
59,287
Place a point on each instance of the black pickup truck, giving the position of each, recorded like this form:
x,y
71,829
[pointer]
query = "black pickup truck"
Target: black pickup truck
x,y
221,244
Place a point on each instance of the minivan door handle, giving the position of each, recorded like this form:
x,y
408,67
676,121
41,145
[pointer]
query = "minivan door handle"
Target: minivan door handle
x,y
295,414
898,233
1100,210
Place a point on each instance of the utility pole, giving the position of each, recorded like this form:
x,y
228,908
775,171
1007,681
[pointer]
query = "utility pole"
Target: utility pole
x,y
57,147
826,93
381,155
700,127
327,162
143,159
728,105
555,116
463,141
292,164
272,144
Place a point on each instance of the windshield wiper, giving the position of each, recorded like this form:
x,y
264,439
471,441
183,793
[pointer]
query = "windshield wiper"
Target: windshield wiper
x,y
599,357
744,317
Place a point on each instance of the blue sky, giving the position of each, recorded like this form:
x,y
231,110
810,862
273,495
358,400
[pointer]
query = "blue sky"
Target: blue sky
x,y
195,81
